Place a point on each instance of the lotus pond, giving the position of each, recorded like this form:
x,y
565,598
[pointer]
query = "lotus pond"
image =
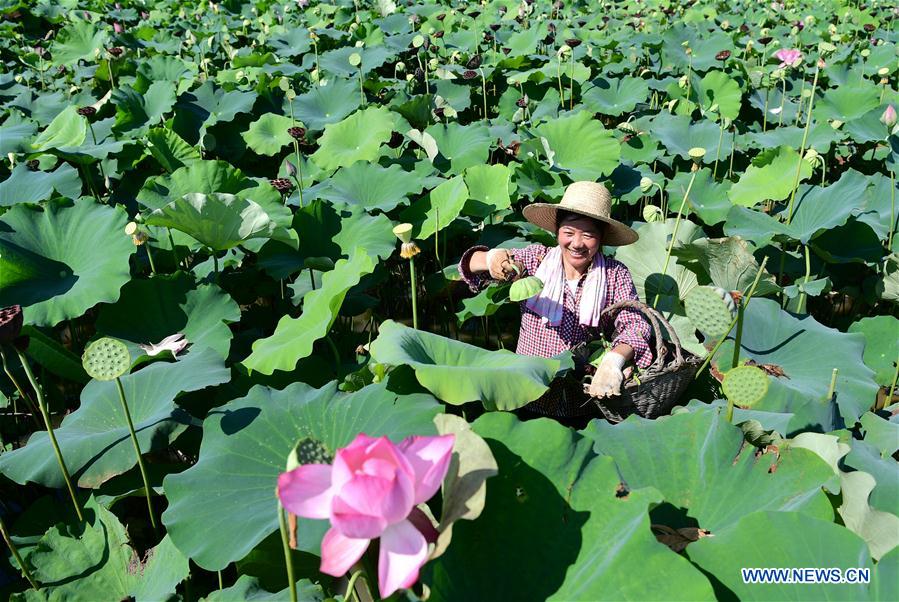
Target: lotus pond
x,y
205,282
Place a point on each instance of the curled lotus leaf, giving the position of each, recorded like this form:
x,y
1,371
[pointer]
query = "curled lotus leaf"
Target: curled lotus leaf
x,y
525,288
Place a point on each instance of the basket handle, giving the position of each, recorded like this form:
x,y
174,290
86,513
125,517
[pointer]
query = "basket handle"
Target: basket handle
x,y
655,318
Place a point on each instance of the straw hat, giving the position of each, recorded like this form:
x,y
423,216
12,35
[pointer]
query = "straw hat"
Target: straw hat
x,y
586,198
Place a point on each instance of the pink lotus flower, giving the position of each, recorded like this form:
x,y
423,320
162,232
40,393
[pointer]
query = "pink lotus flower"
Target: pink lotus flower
x,y
889,116
788,58
117,27
370,491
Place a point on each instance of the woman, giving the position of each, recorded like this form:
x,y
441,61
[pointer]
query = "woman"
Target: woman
x,y
578,283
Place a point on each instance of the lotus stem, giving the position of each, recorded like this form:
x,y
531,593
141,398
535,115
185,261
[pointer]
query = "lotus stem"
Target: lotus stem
x,y
150,257
90,182
414,293
312,278
559,78
893,385
733,149
783,97
680,212
808,273
109,63
483,91
41,71
718,150
19,388
296,148
745,303
15,552
335,353
808,122
288,561
174,249
140,460
571,80
221,582
361,88
892,209
215,265
799,110
352,584
738,338
765,114
45,413
833,384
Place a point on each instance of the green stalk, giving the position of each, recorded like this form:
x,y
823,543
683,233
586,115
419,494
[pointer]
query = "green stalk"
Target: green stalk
x,y
765,114
571,81
361,88
312,278
559,77
783,96
288,561
808,273
895,378
739,337
174,249
733,149
414,293
718,150
484,91
18,557
352,584
745,303
150,257
833,384
140,460
680,212
19,388
892,210
801,92
42,404
808,122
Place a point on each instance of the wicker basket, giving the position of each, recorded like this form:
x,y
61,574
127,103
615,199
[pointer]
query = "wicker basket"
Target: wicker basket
x,y
660,386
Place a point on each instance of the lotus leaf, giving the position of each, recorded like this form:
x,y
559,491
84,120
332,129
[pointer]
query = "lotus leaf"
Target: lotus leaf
x,y
679,135
370,186
78,40
567,137
170,150
708,198
501,380
720,94
26,186
881,334
488,189
338,61
616,96
865,457
94,439
248,589
438,211
268,134
322,105
557,496
294,337
460,147
725,262
206,106
62,260
883,434
848,102
355,138
201,176
485,303
819,209
229,486
135,110
807,351
67,129
879,205
771,181
15,136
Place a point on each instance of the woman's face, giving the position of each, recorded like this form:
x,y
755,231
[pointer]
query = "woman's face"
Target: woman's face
x,y
579,238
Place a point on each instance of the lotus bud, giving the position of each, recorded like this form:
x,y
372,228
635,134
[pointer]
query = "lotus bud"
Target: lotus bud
x,y
889,116
821,64
290,168
525,288
403,232
646,184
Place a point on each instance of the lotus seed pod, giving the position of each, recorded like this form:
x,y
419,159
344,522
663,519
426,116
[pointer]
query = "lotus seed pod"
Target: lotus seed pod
x,y
883,71
709,310
284,84
811,155
11,320
355,59
433,64
696,153
645,184
106,359
403,232
525,288
651,213
308,451
131,228
400,66
418,40
745,385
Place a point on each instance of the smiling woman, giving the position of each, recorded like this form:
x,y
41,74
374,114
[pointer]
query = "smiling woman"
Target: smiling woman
x,y
579,282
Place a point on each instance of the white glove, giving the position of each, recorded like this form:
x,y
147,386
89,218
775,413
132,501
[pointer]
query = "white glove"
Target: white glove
x,y
500,265
609,376
728,299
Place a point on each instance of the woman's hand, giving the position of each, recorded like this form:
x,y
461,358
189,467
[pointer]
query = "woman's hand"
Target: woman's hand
x,y
609,376
501,265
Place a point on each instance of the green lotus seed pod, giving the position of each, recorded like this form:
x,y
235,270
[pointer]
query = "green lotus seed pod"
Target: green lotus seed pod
x,y
697,152
709,311
106,359
651,213
745,385
645,184
308,451
418,40
525,288
355,59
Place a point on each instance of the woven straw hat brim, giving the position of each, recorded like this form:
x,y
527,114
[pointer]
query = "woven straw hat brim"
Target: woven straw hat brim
x,y
544,216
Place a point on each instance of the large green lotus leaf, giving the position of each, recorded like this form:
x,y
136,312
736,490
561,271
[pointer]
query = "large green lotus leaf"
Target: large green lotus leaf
x,y
168,304
758,227
567,137
783,540
356,138
881,433
94,561
26,186
700,463
460,146
485,303
166,68
201,176
708,198
820,137
290,41
558,524
853,242
720,94
94,439
62,260
135,110
807,351
76,41
848,102
885,580
888,286
67,129
457,372
15,136
818,209
219,221
225,504
370,186
724,262
772,181
322,105
248,589
268,134
679,135
881,334
337,61
170,149
880,205
209,105
615,96
458,97
439,209
488,189
864,456
293,338
373,233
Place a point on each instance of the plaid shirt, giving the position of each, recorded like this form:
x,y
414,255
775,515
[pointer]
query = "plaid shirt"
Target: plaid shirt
x,y
537,338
